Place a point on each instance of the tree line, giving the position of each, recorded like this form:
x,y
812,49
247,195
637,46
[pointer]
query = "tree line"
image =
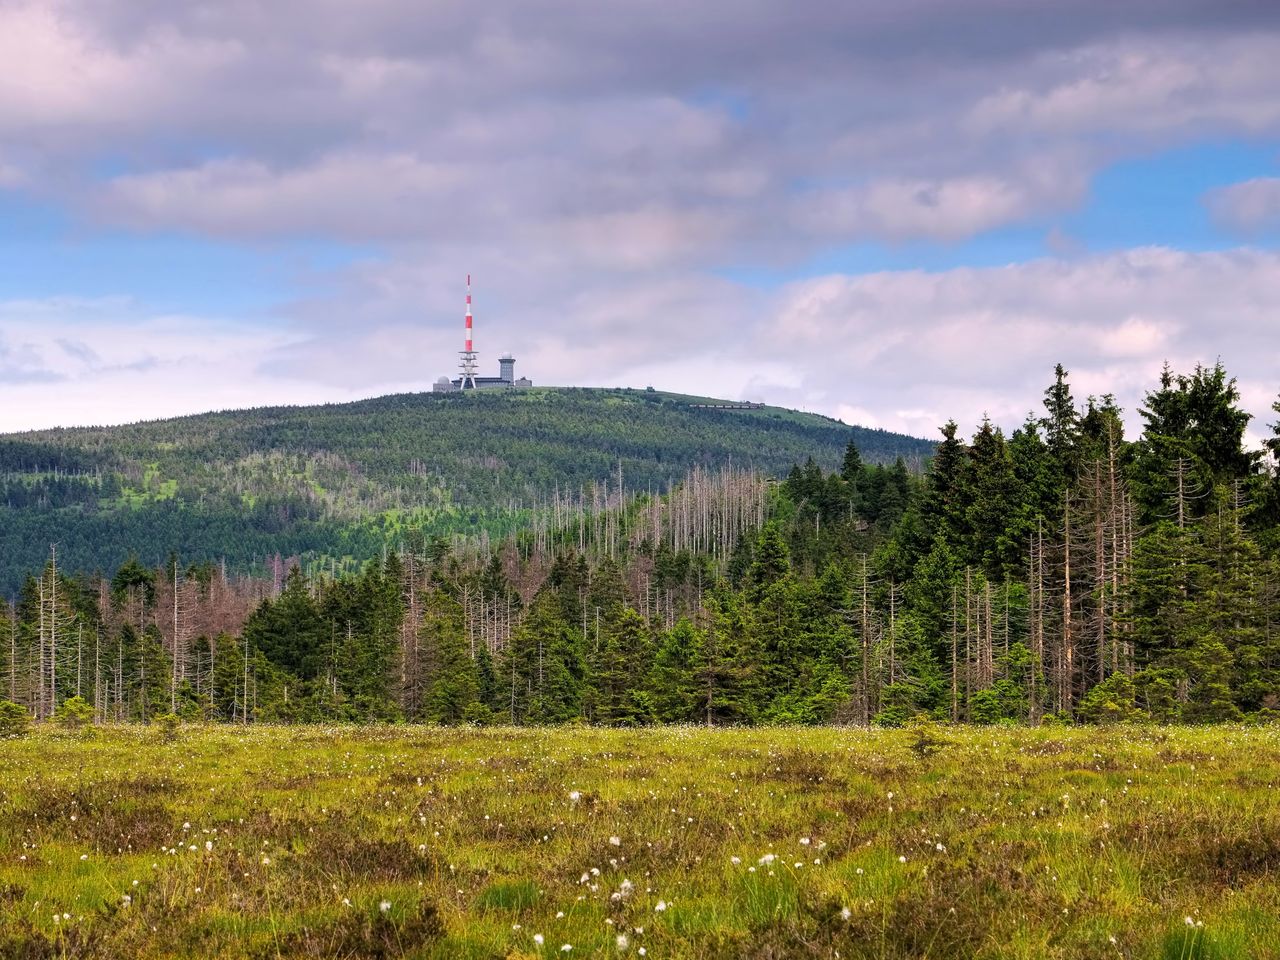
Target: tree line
x,y
343,482
1061,573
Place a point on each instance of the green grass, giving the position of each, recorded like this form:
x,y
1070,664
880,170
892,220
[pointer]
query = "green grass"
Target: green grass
x,y
292,842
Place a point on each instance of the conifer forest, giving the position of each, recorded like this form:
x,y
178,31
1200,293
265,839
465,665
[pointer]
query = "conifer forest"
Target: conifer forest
x,y
1062,573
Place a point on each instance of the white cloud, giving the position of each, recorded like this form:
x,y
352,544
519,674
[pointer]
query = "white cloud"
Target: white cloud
x,y
1138,87
350,194
769,133
1247,207
972,341
59,75
945,209
902,350
68,361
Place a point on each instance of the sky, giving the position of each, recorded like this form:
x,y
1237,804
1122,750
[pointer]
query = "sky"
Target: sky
x,y
893,212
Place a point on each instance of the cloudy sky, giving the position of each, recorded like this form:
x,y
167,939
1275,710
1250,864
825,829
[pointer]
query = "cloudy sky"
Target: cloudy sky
x,y
890,211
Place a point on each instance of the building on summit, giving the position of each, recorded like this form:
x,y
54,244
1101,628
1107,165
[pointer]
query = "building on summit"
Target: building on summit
x,y
468,379
506,378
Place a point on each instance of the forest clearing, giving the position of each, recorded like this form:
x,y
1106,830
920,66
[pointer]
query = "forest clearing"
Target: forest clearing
x,y
932,841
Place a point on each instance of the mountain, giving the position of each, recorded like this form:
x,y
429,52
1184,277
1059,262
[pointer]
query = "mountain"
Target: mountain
x,y
343,481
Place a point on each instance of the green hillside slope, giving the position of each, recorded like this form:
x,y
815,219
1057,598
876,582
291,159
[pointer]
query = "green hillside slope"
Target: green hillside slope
x,y
345,480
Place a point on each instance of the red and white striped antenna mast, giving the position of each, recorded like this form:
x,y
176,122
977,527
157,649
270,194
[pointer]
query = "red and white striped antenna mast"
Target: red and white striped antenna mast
x,y
469,353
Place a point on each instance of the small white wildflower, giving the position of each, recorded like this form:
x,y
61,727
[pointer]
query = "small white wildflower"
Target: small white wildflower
x,y
622,941
804,841
735,860
575,795
208,845
661,905
537,938
384,906
767,859
845,913
615,841
566,947
84,856
902,859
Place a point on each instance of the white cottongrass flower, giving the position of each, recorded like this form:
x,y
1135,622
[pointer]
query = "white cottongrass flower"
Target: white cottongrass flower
x,y
575,795
622,941
615,841
566,947
384,906
662,905
845,913
538,939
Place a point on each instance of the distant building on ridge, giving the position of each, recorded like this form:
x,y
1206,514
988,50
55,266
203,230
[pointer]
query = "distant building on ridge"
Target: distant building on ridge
x,y
468,379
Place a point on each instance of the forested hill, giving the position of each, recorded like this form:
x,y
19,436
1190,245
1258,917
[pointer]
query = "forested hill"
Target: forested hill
x,y
346,480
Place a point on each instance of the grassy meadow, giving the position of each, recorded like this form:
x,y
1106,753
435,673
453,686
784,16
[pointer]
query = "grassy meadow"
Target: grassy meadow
x,y
768,843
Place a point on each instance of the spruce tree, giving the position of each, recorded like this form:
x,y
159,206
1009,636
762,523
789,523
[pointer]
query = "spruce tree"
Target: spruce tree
x,y
993,500
672,686
450,678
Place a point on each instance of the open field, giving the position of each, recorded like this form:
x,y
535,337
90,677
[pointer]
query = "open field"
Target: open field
x,y
385,842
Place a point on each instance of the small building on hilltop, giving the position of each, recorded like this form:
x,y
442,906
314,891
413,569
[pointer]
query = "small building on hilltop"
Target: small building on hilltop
x,y
468,379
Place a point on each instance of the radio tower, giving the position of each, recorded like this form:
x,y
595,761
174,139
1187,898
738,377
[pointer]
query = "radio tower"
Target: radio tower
x,y
469,354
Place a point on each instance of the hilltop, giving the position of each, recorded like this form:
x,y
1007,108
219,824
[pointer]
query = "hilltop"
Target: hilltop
x,y
346,480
